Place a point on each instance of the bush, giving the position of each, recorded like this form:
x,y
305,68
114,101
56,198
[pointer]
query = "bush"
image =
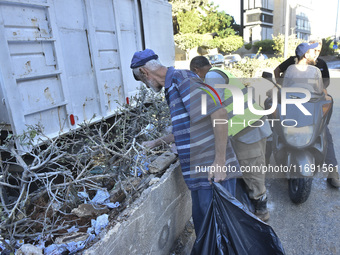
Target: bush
x,y
248,46
266,45
253,66
279,41
188,41
211,43
231,43
327,47
188,21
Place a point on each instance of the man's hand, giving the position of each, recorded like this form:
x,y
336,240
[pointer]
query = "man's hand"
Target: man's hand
x,y
327,97
217,172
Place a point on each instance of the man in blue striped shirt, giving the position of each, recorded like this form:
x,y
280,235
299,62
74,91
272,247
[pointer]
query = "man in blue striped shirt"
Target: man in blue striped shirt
x,y
203,148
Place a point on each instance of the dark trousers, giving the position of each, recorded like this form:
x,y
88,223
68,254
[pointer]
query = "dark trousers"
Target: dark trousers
x,y
201,200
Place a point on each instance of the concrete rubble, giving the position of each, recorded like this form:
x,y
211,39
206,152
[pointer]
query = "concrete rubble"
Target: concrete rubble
x,y
162,162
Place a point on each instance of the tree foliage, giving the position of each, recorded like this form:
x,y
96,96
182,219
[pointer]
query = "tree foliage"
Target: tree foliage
x,y
217,22
189,21
198,16
186,5
193,19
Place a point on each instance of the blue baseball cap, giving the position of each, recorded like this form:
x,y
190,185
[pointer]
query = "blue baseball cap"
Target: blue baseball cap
x,y
302,48
140,58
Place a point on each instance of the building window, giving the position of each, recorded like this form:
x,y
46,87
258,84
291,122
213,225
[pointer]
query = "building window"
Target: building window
x,y
303,36
267,18
258,3
253,17
258,17
302,24
265,4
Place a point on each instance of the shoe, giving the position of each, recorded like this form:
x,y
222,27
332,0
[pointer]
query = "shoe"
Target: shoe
x,y
261,210
333,178
264,216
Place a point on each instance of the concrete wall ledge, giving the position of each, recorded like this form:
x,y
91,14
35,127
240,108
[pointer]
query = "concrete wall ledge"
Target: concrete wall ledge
x,y
151,224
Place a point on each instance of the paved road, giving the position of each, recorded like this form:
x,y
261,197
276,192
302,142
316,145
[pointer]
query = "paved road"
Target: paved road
x,y
314,226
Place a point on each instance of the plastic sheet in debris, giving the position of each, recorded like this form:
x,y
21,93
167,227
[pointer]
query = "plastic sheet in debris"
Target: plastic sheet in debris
x,y
2,245
229,228
102,197
72,247
144,161
99,224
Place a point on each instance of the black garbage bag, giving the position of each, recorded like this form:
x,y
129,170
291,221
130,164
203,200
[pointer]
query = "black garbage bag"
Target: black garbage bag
x,y
229,228
242,195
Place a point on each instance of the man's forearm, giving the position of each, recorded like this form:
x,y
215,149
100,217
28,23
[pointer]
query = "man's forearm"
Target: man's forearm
x,y
221,139
221,136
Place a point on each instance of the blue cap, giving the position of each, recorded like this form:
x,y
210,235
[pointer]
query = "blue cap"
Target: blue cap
x,y
302,48
140,58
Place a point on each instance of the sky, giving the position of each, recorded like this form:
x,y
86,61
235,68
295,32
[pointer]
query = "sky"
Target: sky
x,y
326,11
231,7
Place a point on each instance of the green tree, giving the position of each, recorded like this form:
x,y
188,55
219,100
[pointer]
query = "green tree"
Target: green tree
x,y
217,22
194,18
188,21
186,5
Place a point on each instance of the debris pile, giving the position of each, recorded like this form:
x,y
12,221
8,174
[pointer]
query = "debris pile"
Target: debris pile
x,y
58,194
